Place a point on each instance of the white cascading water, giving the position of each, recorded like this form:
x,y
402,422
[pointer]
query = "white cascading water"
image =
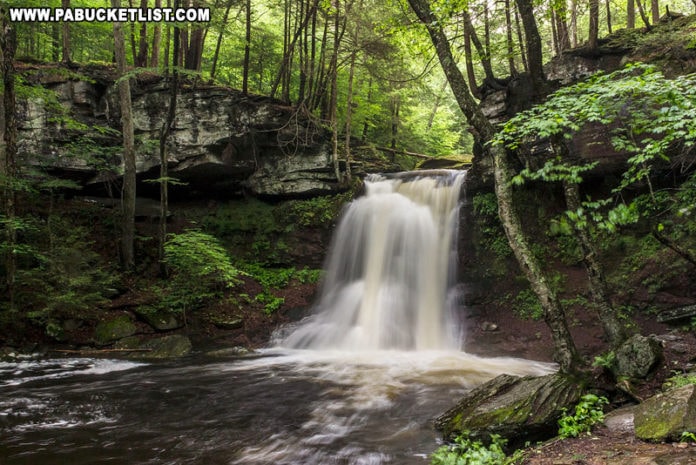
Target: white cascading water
x,y
391,265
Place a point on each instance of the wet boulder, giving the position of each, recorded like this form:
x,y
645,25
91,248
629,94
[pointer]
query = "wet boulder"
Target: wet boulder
x,y
110,331
175,345
517,408
666,416
158,319
637,357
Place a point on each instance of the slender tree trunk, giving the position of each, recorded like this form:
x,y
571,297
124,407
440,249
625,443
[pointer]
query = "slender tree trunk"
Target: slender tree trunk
x,y
574,22
312,59
349,97
593,37
128,195
469,63
395,109
520,40
247,47
561,16
613,329
565,351
131,27
436,105
554,34
366,123
333,104
8,38
322,75
167,41
55,42
142,45
609,25
486,31
164,158
643,16
535,58
655,10
66,34
630,14
480,49
285,65
509,42
218,44
156,39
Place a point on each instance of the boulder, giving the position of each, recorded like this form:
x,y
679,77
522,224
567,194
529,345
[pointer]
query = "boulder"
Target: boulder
x,y
666,416
175,345
517,408
637,357
110,331
158,319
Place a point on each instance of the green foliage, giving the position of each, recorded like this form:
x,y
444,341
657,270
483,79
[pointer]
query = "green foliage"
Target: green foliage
x,y
679,380
688,436
588,412
527,305
466,451
605,360
492,234
319,212
273,279
656,116
200,270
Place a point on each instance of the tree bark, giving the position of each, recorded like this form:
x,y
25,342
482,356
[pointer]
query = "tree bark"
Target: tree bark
x,y
643,16
484,57
630,14
156,39
218,44
247,47
593,37
128,193
565,351
561,16
535,58
520,40
333,104
164,158
509,42
142,44
8,38
469,63
66,34
655,10
609,25
613,329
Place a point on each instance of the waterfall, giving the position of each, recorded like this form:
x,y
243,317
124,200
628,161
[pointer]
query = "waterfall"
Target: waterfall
x,y
390,268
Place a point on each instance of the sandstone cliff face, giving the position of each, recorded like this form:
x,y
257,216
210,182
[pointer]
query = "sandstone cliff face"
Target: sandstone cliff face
x,y
222,140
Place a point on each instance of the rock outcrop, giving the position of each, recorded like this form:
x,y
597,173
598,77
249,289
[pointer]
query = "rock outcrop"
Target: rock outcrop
x,y
667,416
222,140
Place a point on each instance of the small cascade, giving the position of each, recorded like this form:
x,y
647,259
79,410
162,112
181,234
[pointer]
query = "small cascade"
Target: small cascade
x,y
391,265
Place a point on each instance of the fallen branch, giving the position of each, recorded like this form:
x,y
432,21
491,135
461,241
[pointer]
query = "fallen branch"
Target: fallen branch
x,y
404,152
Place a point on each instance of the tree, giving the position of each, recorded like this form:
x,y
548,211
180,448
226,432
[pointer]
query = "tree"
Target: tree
x,y
65,4
592,42
565,351
128,192
8,46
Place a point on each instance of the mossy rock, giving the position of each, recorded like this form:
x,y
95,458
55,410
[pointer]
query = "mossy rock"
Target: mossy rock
x,y
518,409
637,357
666,416
109,331
172,346
159,320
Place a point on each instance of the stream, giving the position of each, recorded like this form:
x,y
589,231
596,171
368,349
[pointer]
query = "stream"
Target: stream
x,y
274,407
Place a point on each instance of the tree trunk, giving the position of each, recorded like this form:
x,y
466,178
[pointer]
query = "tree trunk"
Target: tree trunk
x,y
509,42
395,107
128,194
156,39
469,63
520,40
561,16
655,10
164,158
366,123
593,37
535,58
480,49
613,329
574,22
66,34
630,14
609,25
55,42
142,45
247,47
349,97
8,36
218,44
565,352
333,104
643,16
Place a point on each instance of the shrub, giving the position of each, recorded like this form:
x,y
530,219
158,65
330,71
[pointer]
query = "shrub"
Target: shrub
x,y
588,412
